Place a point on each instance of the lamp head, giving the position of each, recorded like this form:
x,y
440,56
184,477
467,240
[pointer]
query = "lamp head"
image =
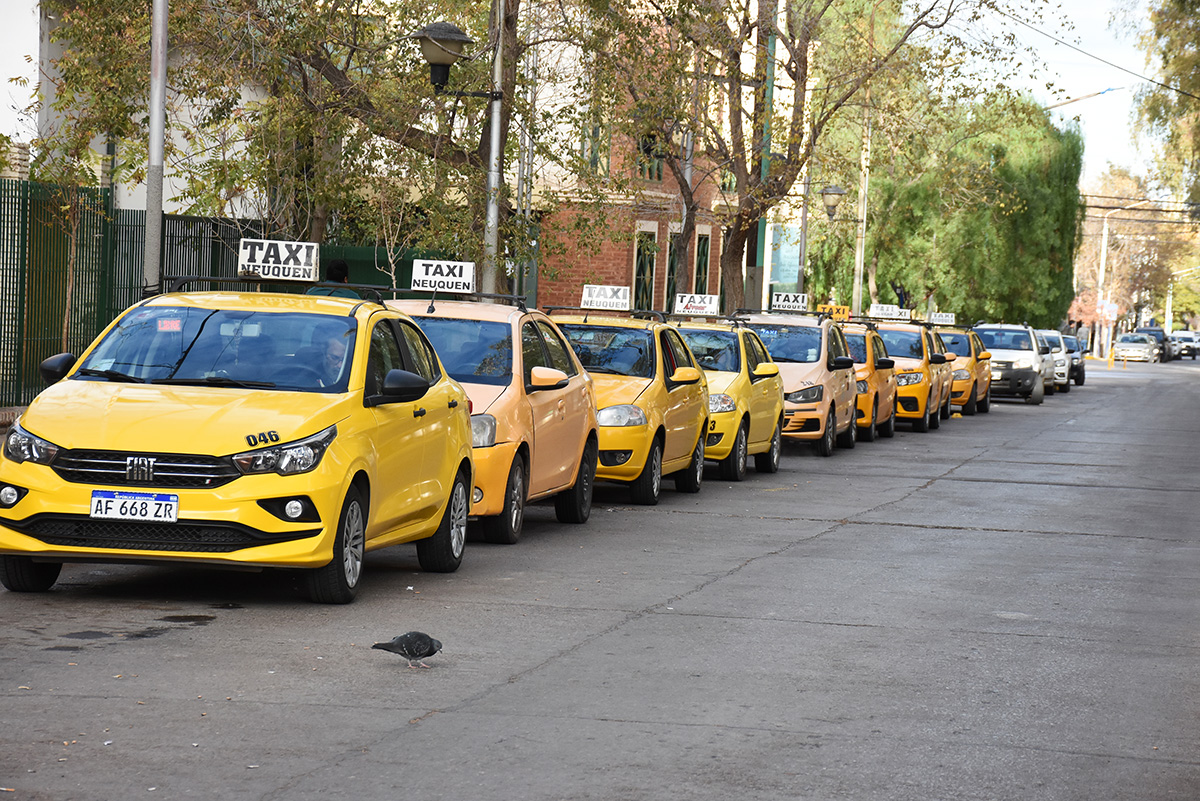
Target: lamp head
x,y
442,44
831,196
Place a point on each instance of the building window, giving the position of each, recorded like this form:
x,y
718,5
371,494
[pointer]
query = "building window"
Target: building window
x,y
595,148
650,160
675,256
703,245
643,270
728,181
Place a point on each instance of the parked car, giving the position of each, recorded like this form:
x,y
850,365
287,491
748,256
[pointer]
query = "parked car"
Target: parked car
x,y
924,377
1186,343
1166,348
972,371
1135,347
1062,359
876,381
1078,359
1018,360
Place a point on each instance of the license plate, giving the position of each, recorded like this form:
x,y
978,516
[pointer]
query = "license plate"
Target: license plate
x,y
152,507
996,376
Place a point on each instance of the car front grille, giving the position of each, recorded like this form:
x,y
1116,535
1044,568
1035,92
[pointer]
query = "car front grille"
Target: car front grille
x,y
793,424
1001,365
169,470
73,531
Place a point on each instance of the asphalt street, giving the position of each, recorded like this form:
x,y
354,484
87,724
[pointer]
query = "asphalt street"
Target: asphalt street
x,y
1006,608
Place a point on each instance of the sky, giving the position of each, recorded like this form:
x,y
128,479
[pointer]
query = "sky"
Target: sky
x,y
1104,120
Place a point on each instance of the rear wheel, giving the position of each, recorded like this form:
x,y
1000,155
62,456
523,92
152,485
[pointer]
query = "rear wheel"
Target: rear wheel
x,y
848,438
868,433
22,574
827,442
505,528
648,484
690,478
888,427
935,416
923,423
944,412
337,582
769,462
985,403
733,466
971,406
443,552
574,505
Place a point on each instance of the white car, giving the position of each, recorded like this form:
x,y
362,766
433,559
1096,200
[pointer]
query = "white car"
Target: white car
x,y
1061,357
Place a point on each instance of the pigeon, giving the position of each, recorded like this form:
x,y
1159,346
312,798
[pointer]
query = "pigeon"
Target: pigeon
x,y
414,645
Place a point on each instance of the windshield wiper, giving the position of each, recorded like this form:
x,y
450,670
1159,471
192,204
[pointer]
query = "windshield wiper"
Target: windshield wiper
x,y
111,375
215,381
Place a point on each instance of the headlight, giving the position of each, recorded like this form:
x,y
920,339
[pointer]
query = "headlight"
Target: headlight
x,y
907,379
809,395
627,415
1060,362
862,387
961,375
21,446
1023,362
720,402
483,431
290,459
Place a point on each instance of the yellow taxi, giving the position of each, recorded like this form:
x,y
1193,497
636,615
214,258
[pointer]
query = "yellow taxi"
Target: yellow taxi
x,y
876,381
745,397
922,373
818,377
652,397
533,420
247,430
972,370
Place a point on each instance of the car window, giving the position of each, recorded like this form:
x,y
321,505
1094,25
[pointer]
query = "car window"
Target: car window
x,y
790,343
956,343
472,352
185,345
714,350
979,348
1071,342
533,351
384,355
755,344
680,354
605,349
880,349
905,344
857,343
1054,341
931,344
560,357
420,352
837,343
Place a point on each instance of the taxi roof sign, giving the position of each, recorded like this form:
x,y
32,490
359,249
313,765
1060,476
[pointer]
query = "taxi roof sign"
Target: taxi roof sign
x,y
889,311
277,260
942,318
708,305
606,298
839,313
455,277
789,301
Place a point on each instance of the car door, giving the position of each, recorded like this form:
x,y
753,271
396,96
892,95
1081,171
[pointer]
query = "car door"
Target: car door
x,y
844,383
547,409
559,441
885,376
766,394
685,402
983,367
434,415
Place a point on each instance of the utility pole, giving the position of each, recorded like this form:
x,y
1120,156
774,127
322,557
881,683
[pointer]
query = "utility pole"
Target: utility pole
x,y
491,226
864,177
1101,301
152,267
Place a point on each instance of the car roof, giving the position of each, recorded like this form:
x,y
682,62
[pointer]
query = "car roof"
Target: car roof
x,y
610,322
462,309
705,326
782,318
262,301
899,326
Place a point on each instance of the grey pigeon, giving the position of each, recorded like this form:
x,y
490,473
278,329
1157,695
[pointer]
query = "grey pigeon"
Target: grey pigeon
x,y
414,645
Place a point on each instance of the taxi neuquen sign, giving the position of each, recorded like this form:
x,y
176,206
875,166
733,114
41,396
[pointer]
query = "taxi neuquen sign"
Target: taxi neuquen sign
x,y
443,276
697,304
608,298
890,311
278,261
942,318
789,301
839,313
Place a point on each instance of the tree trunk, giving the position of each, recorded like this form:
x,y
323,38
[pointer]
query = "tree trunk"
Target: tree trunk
x,y
731,264
872,269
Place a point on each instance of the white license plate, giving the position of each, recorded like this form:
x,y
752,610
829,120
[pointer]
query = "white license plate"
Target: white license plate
x,y
153,507
996,376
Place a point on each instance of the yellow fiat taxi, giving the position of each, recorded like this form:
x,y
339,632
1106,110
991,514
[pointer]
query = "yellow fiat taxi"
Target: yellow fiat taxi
x,y
818,376
745,397
533,421
240,429
922,373
876,381
972,370
652,399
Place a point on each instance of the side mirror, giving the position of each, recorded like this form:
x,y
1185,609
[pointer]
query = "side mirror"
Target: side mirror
x,y
685,375
884,363
766,370
984,354
546,378
950,356
842,363
937,358
55,368
1044,349
401,386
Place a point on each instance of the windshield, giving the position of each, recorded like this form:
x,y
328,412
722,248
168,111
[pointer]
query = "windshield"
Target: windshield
x,y
1157,335
1054,341
1002,339
790,343
956,343
905,344
714,350
472,352
858,347
620,351
1139,338
268,350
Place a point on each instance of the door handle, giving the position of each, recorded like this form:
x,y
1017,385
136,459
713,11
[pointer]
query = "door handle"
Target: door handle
x,y
418,412
453,404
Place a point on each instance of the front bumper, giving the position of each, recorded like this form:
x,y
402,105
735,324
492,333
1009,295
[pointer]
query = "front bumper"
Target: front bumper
x,y
960,391
805,421
911,400
721,434
623,451
1132,355
1013,381
491,477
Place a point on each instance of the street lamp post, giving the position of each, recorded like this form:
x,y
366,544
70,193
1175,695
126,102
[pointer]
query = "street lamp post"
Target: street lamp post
x,y
1101,302
442,44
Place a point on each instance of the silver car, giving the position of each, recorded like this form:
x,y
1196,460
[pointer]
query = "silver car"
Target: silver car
x,y
1135,348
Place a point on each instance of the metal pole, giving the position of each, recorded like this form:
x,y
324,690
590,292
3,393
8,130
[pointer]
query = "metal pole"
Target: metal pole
x,y
491,228
860,239
1106,332
151,270
756,279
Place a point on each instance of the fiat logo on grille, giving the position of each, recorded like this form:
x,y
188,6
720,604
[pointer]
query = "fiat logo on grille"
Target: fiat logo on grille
x,y
139,468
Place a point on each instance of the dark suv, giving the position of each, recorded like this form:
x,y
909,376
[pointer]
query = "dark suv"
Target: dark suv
x,y
1166,350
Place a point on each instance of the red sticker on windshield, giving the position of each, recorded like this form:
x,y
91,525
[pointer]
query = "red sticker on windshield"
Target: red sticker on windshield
x,y
171,325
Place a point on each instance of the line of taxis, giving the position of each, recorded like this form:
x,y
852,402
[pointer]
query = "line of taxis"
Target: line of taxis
x,y
267,430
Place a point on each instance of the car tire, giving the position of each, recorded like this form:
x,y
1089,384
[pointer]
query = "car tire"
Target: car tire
x,y
691,477
505,528
828,441
733,466
1038,394
443,552
888,429
22,574
868,433
944,412
935,416
972,405
1064,387
769,462
646,487
849,438
574,505
985,403
923,423
1080,377
1048,389
337,582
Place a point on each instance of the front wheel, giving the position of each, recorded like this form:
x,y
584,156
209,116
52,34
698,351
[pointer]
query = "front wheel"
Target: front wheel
x,y
647,486
337,582
1064,387
22,574
827,442
769,462
574,505
733,466
443,552
505,528
1037,395
1079,377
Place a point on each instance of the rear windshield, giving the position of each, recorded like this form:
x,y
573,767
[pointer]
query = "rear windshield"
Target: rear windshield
x,y
619,351
216,347
790,343
905,344
1003,339
714,350
472,352
958,344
